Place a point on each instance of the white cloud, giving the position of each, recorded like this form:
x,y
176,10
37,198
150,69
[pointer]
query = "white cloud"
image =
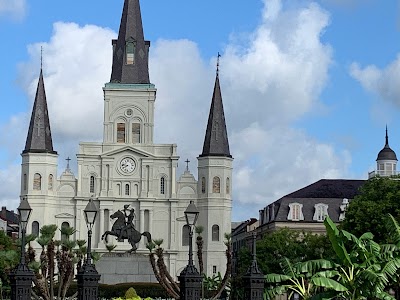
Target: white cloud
x,y
384,82
268,81
10,181
14,8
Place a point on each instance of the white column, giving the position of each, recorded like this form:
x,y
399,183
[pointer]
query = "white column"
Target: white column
x,y
173,181
101,220
141,229
110,222
151,213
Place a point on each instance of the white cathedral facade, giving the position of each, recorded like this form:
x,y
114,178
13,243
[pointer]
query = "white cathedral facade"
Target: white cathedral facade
x,y
129,168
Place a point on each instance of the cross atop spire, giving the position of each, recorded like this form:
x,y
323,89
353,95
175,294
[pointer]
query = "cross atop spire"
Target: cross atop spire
x,y
130,50
68,160
39,134
187,161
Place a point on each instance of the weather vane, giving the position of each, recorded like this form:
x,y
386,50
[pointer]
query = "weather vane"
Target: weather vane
x,y
41,57
219,55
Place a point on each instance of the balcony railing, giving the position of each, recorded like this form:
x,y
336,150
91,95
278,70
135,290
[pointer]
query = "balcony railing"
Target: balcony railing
x,y
382,173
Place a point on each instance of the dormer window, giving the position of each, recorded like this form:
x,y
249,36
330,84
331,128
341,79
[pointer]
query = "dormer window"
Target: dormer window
x,y
295,212
321,211
130,52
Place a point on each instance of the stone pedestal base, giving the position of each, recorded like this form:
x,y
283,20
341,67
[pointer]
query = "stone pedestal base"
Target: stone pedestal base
x,y
124,267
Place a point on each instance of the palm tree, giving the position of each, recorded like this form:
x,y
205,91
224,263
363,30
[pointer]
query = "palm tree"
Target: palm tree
x,y
199,242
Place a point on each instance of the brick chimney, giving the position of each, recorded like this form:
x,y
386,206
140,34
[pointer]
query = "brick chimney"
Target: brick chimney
x,y
3,212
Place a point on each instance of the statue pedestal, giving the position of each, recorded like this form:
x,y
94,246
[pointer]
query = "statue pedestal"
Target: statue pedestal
x,y
124,267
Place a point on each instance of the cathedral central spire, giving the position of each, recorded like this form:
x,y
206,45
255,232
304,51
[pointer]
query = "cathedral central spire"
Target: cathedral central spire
x,y
130,50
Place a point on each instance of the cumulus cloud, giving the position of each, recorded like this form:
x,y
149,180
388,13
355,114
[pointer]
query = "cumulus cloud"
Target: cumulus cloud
x,y
269,80
385,82
14,8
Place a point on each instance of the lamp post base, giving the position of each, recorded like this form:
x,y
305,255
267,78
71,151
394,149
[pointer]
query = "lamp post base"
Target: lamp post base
x,y
21,282
88,282
190,283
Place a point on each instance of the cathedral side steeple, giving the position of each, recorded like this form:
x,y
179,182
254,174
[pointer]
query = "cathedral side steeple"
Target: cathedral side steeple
x,y
39,134
214,187
216,138
130,50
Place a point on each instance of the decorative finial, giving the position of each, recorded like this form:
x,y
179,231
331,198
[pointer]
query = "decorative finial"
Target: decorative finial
x,y
387,138
41,57
187,161
218,56
68,160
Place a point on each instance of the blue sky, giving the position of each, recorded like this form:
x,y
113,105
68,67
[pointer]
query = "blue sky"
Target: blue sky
x,y
308,86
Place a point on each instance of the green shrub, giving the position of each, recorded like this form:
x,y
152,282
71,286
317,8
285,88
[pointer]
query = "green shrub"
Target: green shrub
x,y
146,289
130,293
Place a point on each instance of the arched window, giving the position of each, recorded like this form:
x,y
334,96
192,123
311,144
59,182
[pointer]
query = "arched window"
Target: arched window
x,y
35,228
25,182
135,132
203,185
185,235
119,189
216,185
50,183
92,184
162,185
64,237
127,189
130,52
215,233
37,182
120,132
228,185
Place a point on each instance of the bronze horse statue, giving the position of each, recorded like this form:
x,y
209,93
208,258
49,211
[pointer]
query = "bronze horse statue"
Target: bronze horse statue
x,y
123,231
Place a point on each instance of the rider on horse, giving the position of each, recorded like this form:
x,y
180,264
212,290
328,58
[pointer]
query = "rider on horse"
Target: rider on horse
x,y
129,226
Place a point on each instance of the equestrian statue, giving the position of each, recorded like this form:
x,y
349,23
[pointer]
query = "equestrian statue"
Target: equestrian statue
x,y
123,228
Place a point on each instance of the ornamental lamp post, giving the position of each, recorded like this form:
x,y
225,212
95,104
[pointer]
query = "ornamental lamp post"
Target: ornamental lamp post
x,y
88,277
190,280
253,280
21,277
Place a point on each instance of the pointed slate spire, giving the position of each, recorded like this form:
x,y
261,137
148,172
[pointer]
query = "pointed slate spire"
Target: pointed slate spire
x,y
130,50
216,139
39,134
386,153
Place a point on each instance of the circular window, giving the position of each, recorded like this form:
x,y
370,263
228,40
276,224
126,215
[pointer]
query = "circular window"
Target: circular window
x,y
129,112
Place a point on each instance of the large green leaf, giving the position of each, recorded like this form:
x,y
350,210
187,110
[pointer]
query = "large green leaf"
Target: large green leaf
x,y
312,266
337,244
276,278
328,283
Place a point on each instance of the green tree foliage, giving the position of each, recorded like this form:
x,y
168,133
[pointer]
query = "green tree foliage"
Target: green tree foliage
x,y
294,245
368,211
361,269
8,257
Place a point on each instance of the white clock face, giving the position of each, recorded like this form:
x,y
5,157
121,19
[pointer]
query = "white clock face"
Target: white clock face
x,y
127,165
